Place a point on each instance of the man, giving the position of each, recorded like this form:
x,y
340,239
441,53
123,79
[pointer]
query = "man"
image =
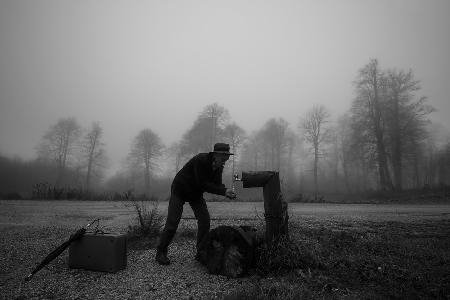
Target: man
x,y
203,173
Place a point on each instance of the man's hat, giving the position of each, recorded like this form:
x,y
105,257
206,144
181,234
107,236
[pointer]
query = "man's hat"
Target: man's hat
x,y
222,148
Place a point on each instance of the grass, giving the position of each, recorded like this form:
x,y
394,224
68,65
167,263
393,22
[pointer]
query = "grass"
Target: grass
x,y
347,259
284,256
392,260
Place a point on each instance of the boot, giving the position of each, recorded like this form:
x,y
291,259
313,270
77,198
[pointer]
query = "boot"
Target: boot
x,y
161,258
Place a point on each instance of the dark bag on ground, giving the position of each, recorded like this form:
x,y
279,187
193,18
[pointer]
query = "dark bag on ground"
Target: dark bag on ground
x,y
229,250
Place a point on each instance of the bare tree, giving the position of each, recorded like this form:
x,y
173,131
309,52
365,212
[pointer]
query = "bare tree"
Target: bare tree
x,y
388,124
369,104
235,136
315,132
146,147
206,130
217,116
406,119
197,138
58,144
93,152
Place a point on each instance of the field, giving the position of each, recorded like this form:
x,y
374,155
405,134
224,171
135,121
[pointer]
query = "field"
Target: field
x,y
353,251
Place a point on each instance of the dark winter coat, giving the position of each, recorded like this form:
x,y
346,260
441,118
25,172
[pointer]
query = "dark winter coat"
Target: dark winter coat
x,y
197,177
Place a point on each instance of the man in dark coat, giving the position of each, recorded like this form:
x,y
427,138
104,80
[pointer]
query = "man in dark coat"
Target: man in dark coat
x,y
202,173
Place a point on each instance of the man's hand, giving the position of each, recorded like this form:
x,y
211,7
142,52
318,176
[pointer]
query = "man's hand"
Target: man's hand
x,y
230,194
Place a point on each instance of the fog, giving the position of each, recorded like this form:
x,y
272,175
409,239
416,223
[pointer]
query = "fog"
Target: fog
x,y
132,65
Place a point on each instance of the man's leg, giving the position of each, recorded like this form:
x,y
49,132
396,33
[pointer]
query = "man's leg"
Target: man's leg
x,y
174,212
203,221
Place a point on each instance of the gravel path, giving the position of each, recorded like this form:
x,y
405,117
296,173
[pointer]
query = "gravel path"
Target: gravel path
x,y
24,246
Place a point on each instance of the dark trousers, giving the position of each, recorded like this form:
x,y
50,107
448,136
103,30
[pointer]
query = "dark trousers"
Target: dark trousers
x,y
174,212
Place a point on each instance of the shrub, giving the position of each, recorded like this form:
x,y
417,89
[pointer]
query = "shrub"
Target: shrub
x,y
149,220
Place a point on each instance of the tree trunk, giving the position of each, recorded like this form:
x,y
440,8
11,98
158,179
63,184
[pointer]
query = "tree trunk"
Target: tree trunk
x,y
316,160
90,162
89,171
383,171
385,179
88,176
289,171
416,171
396,146
147,177
362,176
62,162
346,176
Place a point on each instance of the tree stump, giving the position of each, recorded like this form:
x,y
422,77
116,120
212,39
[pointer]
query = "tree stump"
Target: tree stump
x,y
275,208
230,250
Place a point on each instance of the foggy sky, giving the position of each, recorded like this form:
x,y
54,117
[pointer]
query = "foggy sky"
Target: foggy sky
x,y
156,64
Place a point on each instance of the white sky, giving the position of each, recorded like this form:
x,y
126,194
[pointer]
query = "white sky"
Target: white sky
x,y
155,64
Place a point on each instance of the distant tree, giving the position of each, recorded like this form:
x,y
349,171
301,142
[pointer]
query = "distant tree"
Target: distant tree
x,y
197,138
23,177
369,108
146,148
444,165
58,144
216,116
346,151
389,124
252,152
334,158
235,136
361,157
313,127
119,183
405,118
274,135
93,152
431,152
206,130
291,141
177,153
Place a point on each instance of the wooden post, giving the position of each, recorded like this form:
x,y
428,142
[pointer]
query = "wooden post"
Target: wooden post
x,y
275,207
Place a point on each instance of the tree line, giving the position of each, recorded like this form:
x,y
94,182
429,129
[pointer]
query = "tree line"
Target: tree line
x,y
383,142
